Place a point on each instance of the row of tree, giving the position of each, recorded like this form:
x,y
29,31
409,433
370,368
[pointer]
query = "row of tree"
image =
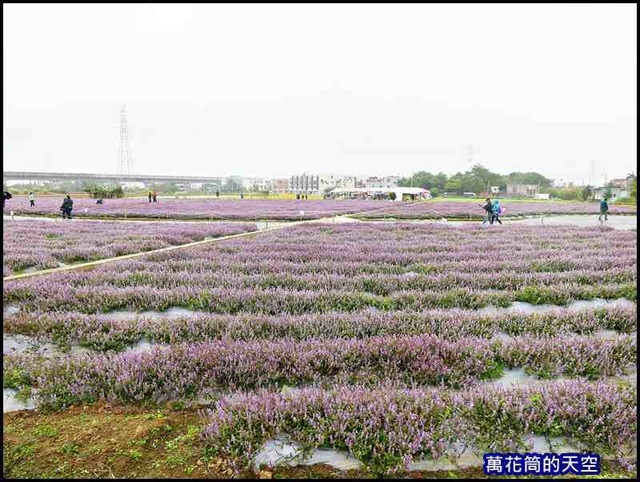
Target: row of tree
x,y
478,179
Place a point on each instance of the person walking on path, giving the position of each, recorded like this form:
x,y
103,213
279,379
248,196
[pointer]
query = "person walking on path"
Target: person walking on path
x,y
67,207
489,211
32,199
150,196
497,210
604,209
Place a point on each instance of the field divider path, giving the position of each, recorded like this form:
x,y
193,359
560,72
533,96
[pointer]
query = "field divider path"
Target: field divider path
x,y
168,248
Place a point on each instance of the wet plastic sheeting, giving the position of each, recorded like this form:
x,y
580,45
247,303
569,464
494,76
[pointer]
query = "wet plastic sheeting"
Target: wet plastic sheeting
x,y
528,308
142,346
26,344
11,404
281,452
10,309
173,312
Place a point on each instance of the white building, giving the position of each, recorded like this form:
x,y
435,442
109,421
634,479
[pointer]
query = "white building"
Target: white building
x,y
326,181
257,184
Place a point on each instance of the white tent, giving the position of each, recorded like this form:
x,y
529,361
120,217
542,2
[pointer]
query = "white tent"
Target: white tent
x,y
400,191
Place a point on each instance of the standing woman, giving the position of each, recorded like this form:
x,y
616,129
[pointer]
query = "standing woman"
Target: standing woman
x,y
32,199
67,207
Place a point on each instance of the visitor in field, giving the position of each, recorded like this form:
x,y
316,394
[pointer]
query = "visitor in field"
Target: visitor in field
x,y
150,196
604,209
488,207
67,207
217,194
497,210
155,197
6,195
99,201
32,199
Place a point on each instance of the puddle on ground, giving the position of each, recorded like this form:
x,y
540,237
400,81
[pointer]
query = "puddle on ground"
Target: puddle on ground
x,y
528,308
142,346
280,452
11,404
501,336
606,333
600,303
512,378
26,344
122,314
10,309
173,312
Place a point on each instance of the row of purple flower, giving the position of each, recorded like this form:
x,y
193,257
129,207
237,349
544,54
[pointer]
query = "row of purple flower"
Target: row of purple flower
x,y
42,245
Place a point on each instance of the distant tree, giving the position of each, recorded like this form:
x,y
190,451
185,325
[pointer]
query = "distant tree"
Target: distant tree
x,y
454,184
528,178
425,180
586,193
104,191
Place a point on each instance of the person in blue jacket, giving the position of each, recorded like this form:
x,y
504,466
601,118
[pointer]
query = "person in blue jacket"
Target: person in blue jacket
x,y
496,212
604,209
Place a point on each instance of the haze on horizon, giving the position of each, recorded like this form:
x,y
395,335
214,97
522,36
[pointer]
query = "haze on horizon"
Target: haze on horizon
x,y
275,90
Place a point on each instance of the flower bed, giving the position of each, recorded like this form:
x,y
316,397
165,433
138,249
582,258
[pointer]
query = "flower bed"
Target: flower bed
x,y
106,332
42,244
326,268
296,315
188,371
387,429
245,209
471,210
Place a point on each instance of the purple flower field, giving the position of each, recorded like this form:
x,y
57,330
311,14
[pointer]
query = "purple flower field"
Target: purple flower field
x,y
42,244
104,332
325,268
189,371
471,210
361,337
245,209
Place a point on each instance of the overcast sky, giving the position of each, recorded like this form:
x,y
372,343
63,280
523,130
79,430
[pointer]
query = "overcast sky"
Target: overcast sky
x,y
275,90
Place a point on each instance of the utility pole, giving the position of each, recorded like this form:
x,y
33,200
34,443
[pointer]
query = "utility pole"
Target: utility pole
x,y
592,165
125,160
